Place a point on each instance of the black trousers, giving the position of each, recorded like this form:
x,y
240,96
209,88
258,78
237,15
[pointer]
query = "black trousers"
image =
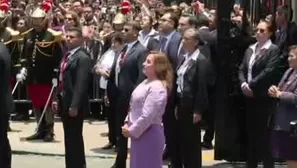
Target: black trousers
x,y
258,134
169,122
74,142
111,119
5,150
122,106
188,138
209,116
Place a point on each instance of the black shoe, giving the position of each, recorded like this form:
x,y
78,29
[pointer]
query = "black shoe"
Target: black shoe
x,y
36,136
48,137
207,146
108,146
20,117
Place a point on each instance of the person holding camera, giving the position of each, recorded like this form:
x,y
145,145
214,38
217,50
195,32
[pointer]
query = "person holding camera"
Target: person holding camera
x,y
284,137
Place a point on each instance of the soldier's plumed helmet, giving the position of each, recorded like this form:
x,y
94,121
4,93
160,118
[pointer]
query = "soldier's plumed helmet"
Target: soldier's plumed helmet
x,y
38,13
4,6
119,19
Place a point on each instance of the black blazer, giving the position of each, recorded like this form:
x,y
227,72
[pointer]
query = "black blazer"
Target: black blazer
x,y
265,70
76,79
131,73
6,101
194,92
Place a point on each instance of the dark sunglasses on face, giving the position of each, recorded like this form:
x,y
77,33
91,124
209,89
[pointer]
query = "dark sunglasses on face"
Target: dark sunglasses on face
x,y
261,30
69,19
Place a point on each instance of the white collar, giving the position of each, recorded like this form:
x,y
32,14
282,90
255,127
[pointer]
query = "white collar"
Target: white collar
x,y
151,33
129,45
194,55
71,52
266,45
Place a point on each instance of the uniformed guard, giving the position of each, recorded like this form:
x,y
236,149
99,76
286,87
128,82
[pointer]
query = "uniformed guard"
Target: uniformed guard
x,y
41,55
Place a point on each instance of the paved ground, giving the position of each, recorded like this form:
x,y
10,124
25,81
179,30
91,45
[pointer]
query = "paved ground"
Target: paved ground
x,y
51,155
94,132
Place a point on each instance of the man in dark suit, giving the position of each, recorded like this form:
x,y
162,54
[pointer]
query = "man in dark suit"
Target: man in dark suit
x,y
5,106
170,40
75,71
126,74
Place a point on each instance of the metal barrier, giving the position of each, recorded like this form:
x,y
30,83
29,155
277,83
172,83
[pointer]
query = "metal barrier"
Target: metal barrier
x,y
21,94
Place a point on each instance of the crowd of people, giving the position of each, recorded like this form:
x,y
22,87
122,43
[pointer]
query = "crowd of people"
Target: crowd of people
x,y
155,68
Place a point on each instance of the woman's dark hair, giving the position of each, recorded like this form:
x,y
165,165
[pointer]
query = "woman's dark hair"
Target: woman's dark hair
x,y
270,27
118,37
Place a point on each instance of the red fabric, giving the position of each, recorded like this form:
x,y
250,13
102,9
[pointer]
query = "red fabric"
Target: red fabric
x,y
12,82
126,7
39,94
63,67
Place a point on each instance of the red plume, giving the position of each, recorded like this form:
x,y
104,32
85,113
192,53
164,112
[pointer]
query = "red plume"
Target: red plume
x,y
126,7
46,6
4,6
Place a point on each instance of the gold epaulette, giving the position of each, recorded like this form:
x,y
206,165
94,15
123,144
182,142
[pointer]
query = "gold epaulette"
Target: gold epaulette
x,y
26,32
15,35
58,35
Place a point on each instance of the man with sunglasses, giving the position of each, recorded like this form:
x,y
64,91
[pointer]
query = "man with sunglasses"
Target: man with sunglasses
x,y
41,56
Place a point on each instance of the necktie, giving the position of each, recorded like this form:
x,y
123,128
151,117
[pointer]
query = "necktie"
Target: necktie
x,y
163,44
123,56
63,67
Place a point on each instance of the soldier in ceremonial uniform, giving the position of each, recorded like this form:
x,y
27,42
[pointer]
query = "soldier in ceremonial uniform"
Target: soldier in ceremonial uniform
x,y
41,56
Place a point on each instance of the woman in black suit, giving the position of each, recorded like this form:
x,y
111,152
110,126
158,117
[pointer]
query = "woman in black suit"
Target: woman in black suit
x,y
258,71
192,101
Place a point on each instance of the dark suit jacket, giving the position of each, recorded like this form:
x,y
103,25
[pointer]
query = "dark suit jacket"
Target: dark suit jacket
x,y
153,44
76,78
6,104
194,92
131,72
264,71
286,110
172,49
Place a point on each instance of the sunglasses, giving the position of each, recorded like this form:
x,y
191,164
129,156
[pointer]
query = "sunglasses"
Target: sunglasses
x,y
69,19
126,30
261,30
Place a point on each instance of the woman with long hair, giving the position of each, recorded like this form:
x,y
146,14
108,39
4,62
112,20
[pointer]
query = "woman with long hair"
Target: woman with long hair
x,y
147,106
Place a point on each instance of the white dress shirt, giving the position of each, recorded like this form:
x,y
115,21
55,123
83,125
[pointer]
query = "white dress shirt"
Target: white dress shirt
x,y
144,38
118,68
256,52
183,68
106,63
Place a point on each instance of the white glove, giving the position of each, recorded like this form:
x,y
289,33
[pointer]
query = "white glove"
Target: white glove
x,y
22,75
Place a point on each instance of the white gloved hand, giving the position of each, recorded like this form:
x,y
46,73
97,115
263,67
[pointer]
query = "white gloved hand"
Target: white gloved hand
x,y
22,75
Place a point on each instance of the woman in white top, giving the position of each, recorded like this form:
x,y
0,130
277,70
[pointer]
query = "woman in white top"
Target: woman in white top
x,y
102,68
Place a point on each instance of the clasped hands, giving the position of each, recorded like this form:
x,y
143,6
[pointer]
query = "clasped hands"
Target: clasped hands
x,y
246,90
274,91
125,130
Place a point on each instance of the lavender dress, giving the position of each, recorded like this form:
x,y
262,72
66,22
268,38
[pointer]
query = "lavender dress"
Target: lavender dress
x,y
147,106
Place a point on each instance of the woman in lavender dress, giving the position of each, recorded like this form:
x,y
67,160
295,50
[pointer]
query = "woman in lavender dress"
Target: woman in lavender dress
x,y
147,106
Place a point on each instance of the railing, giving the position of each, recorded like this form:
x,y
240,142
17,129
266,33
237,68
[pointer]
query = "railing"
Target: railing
x,y
21,94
